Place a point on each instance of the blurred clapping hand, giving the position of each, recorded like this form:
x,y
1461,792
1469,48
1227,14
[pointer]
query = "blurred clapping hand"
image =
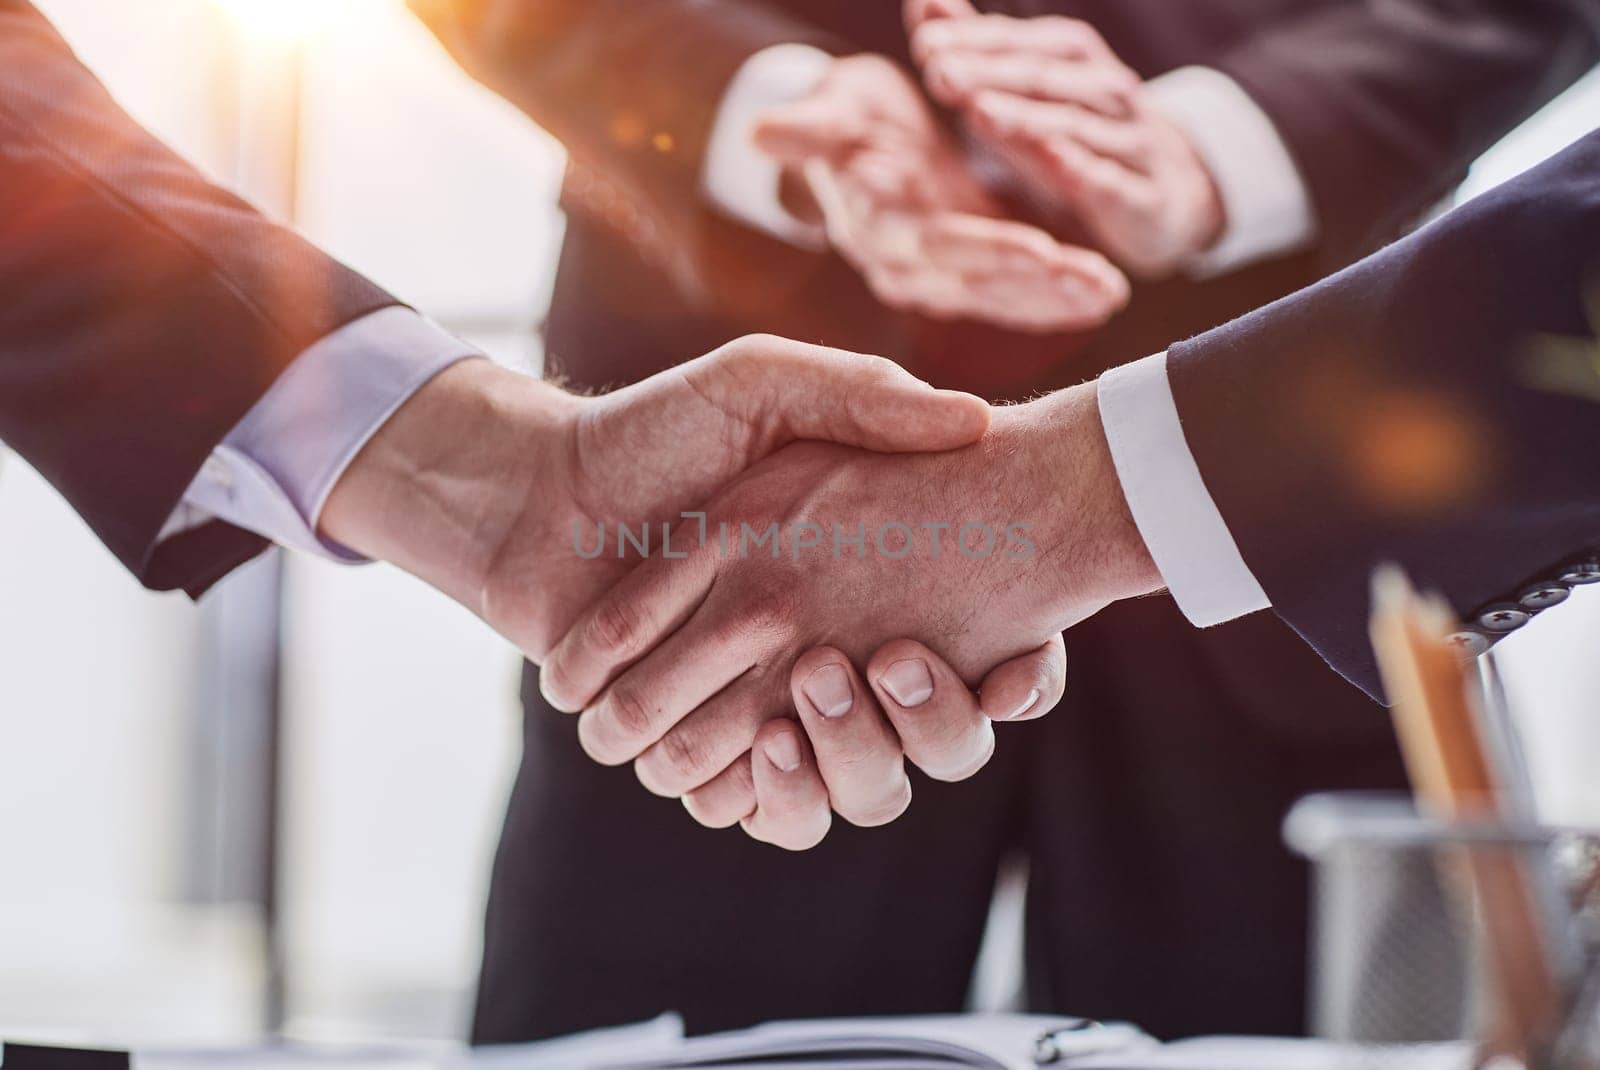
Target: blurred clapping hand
x,y
1050,96
866,154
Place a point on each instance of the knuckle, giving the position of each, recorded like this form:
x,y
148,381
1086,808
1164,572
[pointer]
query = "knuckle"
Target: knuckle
x,y
1060,82
1063,162
738,630
734,361
557,685
872,761
879,811
648,773
599,742
930,37
874,367
685,756
951,766
814,659
812,834
773,615
1064,27
794,833
630,712
726,801
934,744
712,813
1077,29
753,346
893,651
613,627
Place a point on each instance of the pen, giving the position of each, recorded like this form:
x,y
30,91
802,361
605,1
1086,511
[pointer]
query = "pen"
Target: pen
x,y
1085,1036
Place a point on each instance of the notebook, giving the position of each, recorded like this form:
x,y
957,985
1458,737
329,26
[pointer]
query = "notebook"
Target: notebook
x,y
937,1042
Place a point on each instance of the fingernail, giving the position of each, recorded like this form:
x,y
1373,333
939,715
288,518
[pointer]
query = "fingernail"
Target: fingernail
x,y
908,682
828,690
783,751
1027,704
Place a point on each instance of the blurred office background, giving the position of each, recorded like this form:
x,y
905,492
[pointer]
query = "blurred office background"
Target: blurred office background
x,y
131,725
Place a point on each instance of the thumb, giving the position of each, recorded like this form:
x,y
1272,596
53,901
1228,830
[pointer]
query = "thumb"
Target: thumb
x,y
1027,687
808,129
920,12
791,390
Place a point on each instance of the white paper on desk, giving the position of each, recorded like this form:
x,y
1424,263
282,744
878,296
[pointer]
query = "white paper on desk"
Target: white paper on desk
x,y
581,1051
1278,1053
951,1042
286,1057
655,1039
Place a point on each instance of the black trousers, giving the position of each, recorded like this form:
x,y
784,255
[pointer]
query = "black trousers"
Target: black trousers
x,y
1148,806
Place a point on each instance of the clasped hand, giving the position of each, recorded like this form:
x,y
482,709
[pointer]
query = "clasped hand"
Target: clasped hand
x,y
820,559
895,191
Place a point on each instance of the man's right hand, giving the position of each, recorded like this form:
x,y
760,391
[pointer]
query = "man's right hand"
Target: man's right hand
x,y
486,482
866,154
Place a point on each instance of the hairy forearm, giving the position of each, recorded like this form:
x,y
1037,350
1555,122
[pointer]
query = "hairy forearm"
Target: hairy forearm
x,y
1090,540
441,485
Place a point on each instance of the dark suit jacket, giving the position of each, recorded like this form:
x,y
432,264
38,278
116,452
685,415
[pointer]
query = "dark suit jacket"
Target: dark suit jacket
x,y
1437,405
144,312
1382,106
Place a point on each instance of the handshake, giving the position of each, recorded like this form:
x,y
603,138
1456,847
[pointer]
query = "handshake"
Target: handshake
x,y
865,155
769,529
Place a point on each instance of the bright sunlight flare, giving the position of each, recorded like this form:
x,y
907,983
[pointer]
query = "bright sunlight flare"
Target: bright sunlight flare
x,y
279,20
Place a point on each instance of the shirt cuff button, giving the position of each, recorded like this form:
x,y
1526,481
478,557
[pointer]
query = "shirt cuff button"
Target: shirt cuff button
x,y
1469,644
1542,596
1503,618
1582,571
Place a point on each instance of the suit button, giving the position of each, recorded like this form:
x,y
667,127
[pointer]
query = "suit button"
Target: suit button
x,y
1503,617
1470,644
1543,596
1584,570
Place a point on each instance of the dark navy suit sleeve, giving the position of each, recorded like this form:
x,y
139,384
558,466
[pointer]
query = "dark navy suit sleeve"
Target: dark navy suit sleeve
x,y
145,310
1436,405
1384,106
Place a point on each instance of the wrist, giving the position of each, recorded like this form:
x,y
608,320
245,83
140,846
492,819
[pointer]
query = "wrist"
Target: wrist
x,y
1209,214
440,486
1096,553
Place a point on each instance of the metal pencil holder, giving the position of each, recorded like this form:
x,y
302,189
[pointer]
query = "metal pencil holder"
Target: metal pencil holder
x,y
1398,953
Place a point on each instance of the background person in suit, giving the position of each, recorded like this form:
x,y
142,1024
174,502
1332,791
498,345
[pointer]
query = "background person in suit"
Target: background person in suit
x,y
1148,865
1459,443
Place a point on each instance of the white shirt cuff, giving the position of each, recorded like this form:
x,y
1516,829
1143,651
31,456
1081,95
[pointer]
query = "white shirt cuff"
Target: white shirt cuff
x,y
274,472
1186,535
1267,205
741,180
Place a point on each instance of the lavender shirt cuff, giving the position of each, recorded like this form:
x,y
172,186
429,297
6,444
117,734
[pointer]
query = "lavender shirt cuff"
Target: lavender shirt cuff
x,y
274,471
